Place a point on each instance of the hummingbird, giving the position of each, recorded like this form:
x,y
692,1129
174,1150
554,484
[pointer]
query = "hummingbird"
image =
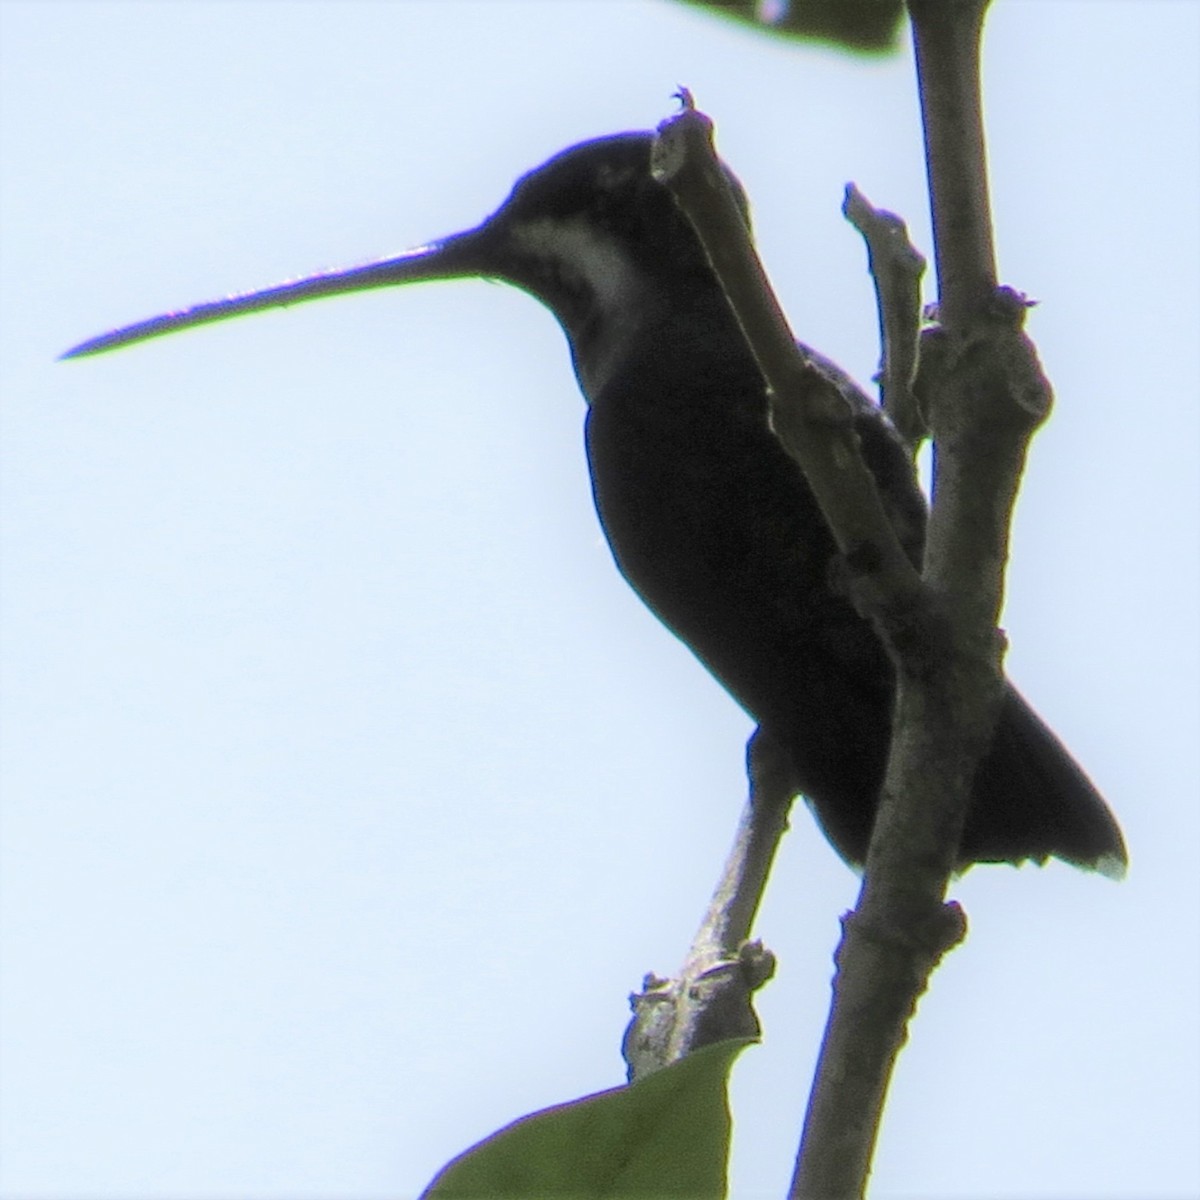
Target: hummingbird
x,y
708,519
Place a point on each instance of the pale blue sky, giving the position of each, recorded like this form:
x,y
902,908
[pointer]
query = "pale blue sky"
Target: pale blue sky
x,y
347,788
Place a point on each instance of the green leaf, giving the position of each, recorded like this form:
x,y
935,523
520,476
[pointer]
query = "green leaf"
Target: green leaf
x,y
864,26
666,1135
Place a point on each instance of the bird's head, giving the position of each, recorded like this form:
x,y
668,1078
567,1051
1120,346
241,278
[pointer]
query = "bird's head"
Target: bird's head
x,y
590,233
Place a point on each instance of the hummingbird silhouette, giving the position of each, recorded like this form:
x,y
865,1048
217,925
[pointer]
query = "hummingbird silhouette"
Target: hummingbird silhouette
x,y
707,517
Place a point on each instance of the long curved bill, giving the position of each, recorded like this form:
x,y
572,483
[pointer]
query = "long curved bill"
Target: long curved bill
x,y
454,257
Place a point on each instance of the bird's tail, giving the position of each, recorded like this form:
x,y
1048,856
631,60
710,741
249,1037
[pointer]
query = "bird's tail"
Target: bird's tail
x,y
1032,800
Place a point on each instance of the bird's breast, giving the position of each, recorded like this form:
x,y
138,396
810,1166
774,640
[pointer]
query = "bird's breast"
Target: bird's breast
x,y
711,522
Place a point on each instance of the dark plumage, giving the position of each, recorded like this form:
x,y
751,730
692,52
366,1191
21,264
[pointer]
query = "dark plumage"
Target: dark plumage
x,y
709,520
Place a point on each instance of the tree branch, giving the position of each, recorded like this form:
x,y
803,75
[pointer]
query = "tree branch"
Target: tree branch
x,y
808,414
896,267
947,38
985,395
710,998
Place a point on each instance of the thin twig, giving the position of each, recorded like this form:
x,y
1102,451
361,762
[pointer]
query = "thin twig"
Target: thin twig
x,y
896,267
709,1000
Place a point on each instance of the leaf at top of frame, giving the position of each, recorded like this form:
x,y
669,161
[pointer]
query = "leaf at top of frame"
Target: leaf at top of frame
x,y
861,26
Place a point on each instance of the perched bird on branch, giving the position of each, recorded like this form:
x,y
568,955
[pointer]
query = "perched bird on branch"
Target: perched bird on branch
x,y
709,520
